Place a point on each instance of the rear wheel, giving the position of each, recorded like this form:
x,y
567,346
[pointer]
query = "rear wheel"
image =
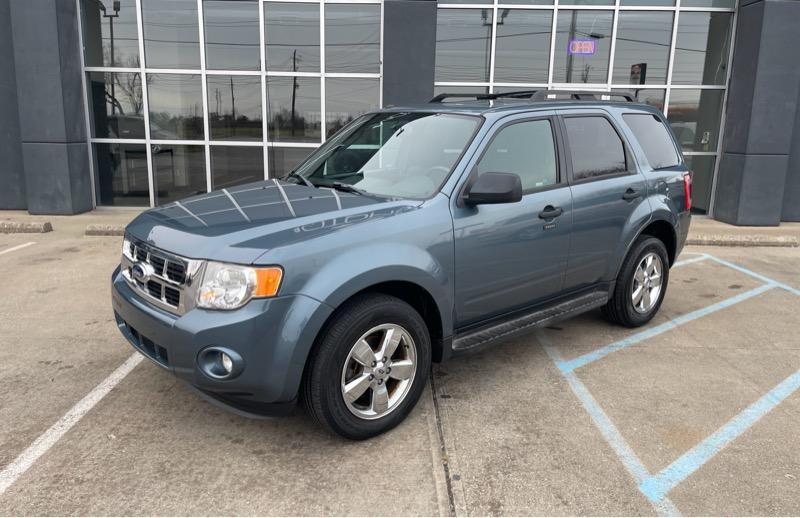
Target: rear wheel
x,y
641,284
369,368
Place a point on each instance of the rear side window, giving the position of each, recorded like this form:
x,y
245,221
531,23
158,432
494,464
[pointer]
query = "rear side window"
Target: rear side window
x,y
595,147
654,138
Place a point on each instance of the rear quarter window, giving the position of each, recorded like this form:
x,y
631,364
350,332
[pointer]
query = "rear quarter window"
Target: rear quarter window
x,y
654,138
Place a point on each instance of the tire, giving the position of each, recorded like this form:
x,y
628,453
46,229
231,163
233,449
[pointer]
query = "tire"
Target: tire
x,y
621,308
335,364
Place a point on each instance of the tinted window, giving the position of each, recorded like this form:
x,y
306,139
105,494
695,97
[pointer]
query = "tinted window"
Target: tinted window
x,y
595,147
654,139
171,34
526,149
231,37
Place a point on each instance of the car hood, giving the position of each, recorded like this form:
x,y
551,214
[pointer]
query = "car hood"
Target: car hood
x,y
240,224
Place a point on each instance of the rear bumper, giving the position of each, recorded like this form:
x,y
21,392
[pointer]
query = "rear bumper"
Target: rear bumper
x,y
273,336
684,220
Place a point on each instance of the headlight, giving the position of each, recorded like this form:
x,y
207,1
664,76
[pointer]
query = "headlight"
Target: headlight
x,y
230,286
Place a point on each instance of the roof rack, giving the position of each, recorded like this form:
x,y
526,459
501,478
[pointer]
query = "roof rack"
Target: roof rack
x,y
540,95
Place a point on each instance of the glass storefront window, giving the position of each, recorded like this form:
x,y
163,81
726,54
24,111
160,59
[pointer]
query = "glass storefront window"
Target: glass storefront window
x,y
117,104
702,48
176,106
234,107
236,165
642,49
345,99
291,32
178,171
352,38
526,2
583,46
282,160
294,109
695,117
110,33
702,167
121,172
652,97
522,52
728,4
231,34
647,2
586,2
463,44
171,34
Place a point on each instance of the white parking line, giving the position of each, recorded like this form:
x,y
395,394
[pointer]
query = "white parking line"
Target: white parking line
x,y
44,442
18,247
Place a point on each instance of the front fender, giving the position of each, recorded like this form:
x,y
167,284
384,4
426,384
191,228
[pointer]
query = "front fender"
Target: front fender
x,y
362,267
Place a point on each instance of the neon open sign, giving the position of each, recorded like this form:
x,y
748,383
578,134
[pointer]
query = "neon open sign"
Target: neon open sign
x,y
582,47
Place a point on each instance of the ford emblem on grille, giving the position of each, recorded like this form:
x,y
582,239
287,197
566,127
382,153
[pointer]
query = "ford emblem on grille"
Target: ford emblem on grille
x,y
141,272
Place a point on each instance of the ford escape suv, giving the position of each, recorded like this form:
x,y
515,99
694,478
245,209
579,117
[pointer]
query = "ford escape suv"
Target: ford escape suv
x,y
411,235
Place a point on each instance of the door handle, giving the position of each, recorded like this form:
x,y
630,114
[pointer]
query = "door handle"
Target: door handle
x,y
631,194
551,212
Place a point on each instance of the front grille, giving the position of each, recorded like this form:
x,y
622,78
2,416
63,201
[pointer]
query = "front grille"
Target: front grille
x,y
147,346
166,276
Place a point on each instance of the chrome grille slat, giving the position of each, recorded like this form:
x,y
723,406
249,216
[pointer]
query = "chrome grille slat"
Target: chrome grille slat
x,y
169,284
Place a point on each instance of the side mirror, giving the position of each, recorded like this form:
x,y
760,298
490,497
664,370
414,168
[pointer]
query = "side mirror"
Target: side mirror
x,y
494,188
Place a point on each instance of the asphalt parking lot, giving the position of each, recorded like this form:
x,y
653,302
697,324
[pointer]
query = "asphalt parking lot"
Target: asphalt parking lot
x,y
697,413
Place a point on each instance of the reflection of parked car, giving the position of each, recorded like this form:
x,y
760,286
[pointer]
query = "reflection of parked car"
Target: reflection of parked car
x,y
132,126
685,131
411,235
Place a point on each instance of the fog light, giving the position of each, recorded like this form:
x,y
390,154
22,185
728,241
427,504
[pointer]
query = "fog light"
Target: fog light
x,y
220,363
227,362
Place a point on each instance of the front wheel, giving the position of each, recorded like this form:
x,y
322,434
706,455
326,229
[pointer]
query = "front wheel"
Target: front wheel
x,y
641,284
369,367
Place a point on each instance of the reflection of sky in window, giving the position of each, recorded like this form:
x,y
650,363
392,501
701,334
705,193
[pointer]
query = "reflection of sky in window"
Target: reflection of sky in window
x,y
643,37
171,33
231,35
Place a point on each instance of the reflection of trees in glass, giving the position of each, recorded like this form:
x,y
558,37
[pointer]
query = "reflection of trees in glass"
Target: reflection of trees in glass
x,y
127,87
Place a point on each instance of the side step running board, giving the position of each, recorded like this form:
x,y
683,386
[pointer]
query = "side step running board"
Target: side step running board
x,y
525,322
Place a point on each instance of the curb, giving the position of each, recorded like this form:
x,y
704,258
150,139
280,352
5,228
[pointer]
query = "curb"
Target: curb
x,y
744,240
25,227
105,230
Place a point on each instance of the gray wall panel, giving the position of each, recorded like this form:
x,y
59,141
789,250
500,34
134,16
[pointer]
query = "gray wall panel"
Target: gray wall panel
x,y
12,180
761,116
409,51
50,95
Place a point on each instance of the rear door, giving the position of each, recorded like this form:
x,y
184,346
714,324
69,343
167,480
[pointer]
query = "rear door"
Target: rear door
x,y
608,195
512,255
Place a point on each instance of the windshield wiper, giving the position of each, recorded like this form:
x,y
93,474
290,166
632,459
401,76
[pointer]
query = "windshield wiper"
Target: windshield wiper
x,y
303,179
346,187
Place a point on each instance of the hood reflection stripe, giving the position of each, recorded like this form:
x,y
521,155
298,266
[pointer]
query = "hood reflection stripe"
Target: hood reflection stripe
x,y
285,198
192,214
235,204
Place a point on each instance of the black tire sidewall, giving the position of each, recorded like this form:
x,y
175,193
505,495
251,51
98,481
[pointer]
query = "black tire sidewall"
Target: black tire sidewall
x,y
348,326
643,247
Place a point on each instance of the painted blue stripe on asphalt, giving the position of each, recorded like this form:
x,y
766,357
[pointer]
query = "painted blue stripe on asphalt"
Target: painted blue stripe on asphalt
x,y
684,262
657,486
611,434
755,275
571,365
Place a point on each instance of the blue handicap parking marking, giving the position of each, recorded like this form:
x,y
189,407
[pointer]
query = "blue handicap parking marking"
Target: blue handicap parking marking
x,y
655,487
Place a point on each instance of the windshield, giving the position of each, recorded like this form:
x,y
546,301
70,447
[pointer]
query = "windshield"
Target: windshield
x,y
403,155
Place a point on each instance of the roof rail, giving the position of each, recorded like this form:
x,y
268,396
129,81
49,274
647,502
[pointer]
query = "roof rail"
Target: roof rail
x,y
539,95
580,95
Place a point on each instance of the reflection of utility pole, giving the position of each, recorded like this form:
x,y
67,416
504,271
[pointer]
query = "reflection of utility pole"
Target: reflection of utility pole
x,y
572,25
294,85
233,109
115,6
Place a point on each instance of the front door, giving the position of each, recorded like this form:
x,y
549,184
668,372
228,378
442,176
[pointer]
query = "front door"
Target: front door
x,y
509,256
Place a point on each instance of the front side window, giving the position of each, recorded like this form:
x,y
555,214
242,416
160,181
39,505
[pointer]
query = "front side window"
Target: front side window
x,y
526,149
595,147
654,138
404,155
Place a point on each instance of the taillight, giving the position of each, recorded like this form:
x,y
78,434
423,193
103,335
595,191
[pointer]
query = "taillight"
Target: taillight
x,y
687,191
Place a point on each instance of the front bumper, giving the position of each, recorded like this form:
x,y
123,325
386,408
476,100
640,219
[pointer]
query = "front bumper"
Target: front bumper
x,y
273,336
